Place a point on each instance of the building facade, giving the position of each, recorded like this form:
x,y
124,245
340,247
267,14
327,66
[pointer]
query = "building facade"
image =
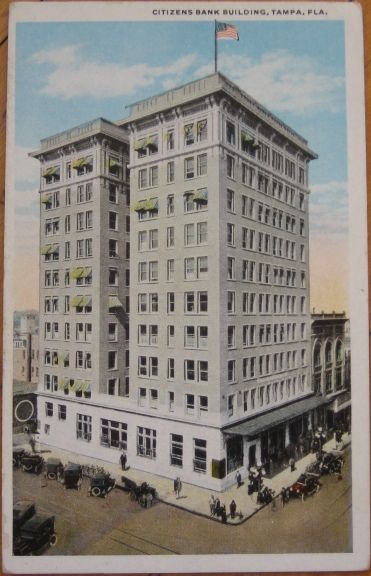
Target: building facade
x,y
220,342
331,368
84,279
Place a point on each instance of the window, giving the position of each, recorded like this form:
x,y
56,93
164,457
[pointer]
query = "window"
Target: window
x,y
170,140
170,270
112,360
170,302
171,336
49,409
189,236
231,302
189,370
230,200
171,399
153,398
248,175
142,396
202,165
231,133
113,193
170,172
153,239
231,272
189,268
189,134
200,455
170,368
170,205
189,168
176,450
113,277
230,166
231,336
202,267
231,371
146,442
203,405
170,237
83,427
230,234
201,232
190,403
113,219
113,434
62,412
230,404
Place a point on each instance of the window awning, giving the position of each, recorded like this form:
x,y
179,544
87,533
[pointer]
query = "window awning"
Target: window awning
x,y
78,385
86,301
140,206
46,198
81,162
245,138
140,144
86,385
200,196
189,195
48,249
63,382
77,272
152,204
52,171
113,163
151,142
61,356
114,302
258,424
76,301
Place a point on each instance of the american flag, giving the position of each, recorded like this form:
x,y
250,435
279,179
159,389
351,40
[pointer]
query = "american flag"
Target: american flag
x,y
226,31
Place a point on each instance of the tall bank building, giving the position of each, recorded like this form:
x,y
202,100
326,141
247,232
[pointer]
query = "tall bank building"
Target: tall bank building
x,y
174,286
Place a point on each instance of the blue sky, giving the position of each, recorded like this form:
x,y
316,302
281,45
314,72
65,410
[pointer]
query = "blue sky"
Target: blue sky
x,y
69,73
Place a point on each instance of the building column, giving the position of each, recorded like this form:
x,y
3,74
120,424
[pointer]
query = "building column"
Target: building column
x,y
287,434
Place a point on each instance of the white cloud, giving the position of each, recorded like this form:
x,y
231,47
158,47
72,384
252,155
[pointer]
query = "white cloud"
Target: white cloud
x,y
283,81
26,169
328,208
73,76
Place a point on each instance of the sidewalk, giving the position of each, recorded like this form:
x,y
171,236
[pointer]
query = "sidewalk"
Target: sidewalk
x,y
193,498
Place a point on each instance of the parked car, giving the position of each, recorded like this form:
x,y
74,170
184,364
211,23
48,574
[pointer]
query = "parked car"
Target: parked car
x,y
54,468
18,453
23,510
332,462
32,463
35,536
72,476
306,485
101,484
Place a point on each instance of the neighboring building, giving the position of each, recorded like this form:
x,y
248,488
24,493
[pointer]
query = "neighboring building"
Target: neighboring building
x,y
331,368
25,366
220,344
84,278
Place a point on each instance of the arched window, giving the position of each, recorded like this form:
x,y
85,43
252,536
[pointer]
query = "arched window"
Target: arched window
x,y
339,351
328,353
317,355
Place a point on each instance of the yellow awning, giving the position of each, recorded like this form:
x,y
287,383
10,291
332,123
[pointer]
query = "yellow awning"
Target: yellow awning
x,y
62,382
81,162
86,301
200,196
151,204
140,144
140,206
114,302
76,301
86,271
86,385
51,171
46,198
77,272
113,163
48,249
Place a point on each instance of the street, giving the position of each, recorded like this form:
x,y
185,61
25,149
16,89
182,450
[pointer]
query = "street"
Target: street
x,y
116,525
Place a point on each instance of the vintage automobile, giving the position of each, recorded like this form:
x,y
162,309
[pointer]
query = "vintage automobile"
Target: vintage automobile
x,y
23,510
72,476
32,463
35,536
306,485
101,484
54,468
18,453
332,462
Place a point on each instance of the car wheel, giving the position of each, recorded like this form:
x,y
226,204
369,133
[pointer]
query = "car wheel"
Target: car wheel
x,y
26,468
51,475
95,491
53,540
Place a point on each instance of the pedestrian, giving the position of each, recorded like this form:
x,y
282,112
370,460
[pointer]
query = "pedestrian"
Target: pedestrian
x,y
177,487
149,500
224,514
123,460
233,508
32,444
217,507
238,479
212,505
292,464
283,496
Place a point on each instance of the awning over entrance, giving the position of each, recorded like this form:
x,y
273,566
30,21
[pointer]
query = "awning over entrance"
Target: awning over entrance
x,y
255,426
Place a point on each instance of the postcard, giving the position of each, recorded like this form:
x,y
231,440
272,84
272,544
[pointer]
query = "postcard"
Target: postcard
x,y
186,338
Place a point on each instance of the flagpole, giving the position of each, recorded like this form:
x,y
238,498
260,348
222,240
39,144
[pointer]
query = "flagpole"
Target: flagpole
x,y
215,50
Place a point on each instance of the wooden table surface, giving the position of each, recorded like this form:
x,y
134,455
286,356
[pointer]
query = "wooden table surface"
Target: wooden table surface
x,y
4,6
